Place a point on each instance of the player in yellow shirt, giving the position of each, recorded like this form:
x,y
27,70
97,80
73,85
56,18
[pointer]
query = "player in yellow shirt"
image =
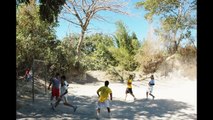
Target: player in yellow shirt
x,y
129,87
103,101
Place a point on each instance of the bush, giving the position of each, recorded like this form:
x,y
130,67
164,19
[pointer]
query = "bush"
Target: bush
x,y
187,53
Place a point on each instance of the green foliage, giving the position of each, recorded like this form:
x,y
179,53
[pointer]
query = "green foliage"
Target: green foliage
x,y
177,18
96,53
125,60
127,46
122,38
48,9
34,38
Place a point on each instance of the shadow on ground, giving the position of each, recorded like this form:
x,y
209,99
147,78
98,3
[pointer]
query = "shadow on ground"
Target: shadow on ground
x,y
162,109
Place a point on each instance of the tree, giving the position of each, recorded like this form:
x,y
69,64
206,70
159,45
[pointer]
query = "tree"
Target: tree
x,y
126,47
33,36
148,57
48,9
135,43
122,37
178,17
83,11
96,54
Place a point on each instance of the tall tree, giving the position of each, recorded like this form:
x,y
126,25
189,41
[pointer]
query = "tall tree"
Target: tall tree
x,y
178,17
126,47
83,11
122,37
96,52
48,9
33,36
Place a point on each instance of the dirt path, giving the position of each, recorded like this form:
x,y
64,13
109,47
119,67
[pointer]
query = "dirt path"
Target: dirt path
x,y
175,100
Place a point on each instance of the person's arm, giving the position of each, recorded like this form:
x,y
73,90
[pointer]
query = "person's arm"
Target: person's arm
x,y
50,83
64,93
98,93
110,96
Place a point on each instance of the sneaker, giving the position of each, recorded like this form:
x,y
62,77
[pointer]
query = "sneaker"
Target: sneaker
x,y
53,107
153,97
75,108
134,98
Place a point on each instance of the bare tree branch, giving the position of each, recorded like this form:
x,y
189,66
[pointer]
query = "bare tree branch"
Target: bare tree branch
x,y
69,20
86,10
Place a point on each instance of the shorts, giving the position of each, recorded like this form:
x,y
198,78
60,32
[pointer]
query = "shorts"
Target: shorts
x,y
150,89
55,92
103,104
129,90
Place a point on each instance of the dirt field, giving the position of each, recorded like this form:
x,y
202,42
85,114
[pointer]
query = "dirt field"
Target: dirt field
x,y
175,100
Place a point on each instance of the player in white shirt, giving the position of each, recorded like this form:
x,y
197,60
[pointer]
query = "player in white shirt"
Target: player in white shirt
x,y
63,96
150,87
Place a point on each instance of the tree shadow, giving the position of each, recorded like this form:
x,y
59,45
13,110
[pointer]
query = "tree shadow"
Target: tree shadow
x,y
139,109
152,109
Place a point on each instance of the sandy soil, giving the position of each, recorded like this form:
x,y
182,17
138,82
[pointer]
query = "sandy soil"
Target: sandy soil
x,y
175,100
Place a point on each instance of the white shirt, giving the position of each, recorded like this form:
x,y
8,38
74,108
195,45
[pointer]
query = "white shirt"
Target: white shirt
x,y
64,87
151,82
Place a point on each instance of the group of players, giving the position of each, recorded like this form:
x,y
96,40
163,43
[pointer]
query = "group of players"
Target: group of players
x,y
60,92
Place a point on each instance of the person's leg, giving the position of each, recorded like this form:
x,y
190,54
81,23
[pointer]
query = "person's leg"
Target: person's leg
x,y
109,112
57,102
132,94
147,94
52,96
52,102
66,102
127,91
150,93
98,112
153,97
108,107
57,93
98,109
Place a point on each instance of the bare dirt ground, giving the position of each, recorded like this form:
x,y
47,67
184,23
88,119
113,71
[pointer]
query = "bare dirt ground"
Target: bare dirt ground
x,y
176,99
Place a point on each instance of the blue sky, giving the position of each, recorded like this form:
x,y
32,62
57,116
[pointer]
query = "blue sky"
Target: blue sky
x,y
135,23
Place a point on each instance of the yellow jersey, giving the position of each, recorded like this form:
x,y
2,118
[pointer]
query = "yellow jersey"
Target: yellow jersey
x,y
129,83
105,91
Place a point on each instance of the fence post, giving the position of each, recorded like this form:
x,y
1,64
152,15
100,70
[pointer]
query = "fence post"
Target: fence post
x,y
45,79
33,81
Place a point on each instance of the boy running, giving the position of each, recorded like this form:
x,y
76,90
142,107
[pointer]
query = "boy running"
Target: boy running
x,y
63,96
150,87
103,101
55,82
129,87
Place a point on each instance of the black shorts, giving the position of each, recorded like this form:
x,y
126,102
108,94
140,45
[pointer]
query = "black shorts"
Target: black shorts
x,y
129,90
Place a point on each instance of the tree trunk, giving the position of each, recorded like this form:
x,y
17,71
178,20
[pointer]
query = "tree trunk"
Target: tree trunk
x,y
78,50
175,47
80,41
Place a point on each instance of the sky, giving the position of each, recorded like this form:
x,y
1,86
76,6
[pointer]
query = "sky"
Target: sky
x,y
134,23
